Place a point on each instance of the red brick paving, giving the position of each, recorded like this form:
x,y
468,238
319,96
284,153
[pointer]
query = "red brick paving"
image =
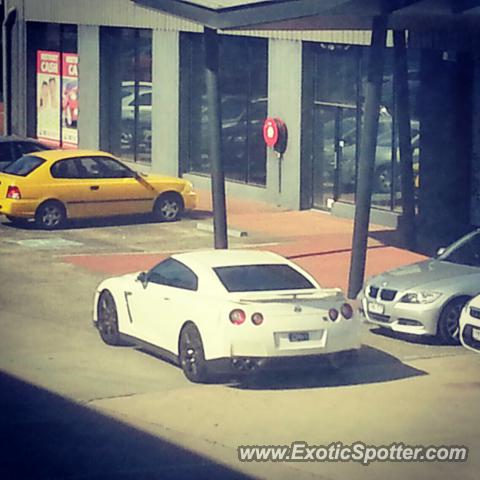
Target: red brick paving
x,y
317,241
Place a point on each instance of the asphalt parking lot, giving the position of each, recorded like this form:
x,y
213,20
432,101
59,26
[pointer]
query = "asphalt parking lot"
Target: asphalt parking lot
x,y
73,407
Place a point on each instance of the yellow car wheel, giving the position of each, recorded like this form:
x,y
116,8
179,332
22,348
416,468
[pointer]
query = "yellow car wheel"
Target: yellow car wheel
x,y
50,215
168,207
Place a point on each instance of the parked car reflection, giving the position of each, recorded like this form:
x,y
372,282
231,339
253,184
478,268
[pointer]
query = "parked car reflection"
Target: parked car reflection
x,y
383,158
12,148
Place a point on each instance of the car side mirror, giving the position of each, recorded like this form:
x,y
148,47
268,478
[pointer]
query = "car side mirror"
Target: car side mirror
x,y
143,278
441,251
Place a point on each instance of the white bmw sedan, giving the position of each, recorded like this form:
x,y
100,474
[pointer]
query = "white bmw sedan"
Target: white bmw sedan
x,y
235,310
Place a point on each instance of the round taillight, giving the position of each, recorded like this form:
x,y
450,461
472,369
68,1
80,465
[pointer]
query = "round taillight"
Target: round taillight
x,y
237,316
257,318
333,314
347,311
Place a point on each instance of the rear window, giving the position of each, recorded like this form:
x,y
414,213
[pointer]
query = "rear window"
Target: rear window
x,y
24,165
260,278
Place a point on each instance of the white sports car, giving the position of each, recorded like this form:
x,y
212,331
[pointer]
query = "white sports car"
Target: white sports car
x,y
234,310
470,324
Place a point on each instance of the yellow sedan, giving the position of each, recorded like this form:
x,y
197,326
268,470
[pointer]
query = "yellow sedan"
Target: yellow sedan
x,y
54,185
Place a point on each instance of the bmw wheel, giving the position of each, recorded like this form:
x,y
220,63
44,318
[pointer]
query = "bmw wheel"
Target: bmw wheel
x,y
107,319
191,355
50,215
168,207
448,323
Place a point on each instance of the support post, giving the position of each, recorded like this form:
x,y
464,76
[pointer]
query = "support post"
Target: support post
x,y
366,162
7,26
214,137
404,138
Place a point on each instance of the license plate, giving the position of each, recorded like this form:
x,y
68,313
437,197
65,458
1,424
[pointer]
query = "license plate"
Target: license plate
x,y
476,334
298,336
376,308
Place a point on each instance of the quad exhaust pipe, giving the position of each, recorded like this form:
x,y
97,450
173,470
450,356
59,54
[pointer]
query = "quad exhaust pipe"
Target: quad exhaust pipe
x,y
246,364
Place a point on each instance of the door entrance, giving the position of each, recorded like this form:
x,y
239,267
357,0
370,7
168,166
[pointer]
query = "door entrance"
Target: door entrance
x,y
334,153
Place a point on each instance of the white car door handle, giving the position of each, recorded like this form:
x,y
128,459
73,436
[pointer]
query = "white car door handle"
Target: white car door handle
x,y
166,298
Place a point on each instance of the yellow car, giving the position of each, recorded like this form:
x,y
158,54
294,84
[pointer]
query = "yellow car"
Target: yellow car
x,y
56,185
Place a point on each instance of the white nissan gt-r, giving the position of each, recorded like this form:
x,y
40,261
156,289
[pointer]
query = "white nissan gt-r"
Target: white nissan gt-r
x,y
234,310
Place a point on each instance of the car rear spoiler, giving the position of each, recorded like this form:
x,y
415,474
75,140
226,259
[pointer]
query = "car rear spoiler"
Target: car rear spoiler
x,y
279,297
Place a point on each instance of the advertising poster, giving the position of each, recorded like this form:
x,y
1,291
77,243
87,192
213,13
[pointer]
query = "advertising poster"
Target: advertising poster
x,y
69,100
48,97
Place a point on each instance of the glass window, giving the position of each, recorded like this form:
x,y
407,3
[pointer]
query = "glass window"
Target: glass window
x,y
28,147
112,169
336,74
335,118
100,167
243,103
172,273
465,251
24,165
65,169
258,278
339,81
6,154
126,92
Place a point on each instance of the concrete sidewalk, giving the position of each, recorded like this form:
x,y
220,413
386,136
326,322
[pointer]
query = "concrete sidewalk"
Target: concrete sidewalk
x,y
315,240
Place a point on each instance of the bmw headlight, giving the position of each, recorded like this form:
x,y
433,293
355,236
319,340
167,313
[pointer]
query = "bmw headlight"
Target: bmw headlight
x,y
420,297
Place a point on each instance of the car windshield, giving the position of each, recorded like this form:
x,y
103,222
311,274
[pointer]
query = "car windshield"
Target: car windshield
x,y
24,165
261,278
465,251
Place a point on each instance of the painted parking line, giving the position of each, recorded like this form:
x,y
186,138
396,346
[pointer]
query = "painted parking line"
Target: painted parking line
x,y
45,243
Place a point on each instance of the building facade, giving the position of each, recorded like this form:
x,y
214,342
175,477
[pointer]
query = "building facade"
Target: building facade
x,y
119,77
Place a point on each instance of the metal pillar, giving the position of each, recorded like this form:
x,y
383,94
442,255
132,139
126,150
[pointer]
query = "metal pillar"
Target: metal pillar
x,y
214,137
366,162
404,137
7,27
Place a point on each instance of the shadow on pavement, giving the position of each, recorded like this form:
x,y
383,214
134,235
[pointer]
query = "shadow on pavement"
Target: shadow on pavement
x,y
373,366
117,221
391,238
45,436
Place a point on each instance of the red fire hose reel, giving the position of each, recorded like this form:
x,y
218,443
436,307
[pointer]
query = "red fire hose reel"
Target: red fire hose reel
x,y
275,134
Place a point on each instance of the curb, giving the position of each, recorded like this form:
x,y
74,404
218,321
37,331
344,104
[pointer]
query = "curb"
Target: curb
x,y
231,232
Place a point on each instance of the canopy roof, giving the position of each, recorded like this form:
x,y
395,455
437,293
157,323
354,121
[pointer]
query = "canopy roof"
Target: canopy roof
x,y
322,14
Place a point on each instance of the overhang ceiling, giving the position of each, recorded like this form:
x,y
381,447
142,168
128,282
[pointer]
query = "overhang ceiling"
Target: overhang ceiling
x,y
323,14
